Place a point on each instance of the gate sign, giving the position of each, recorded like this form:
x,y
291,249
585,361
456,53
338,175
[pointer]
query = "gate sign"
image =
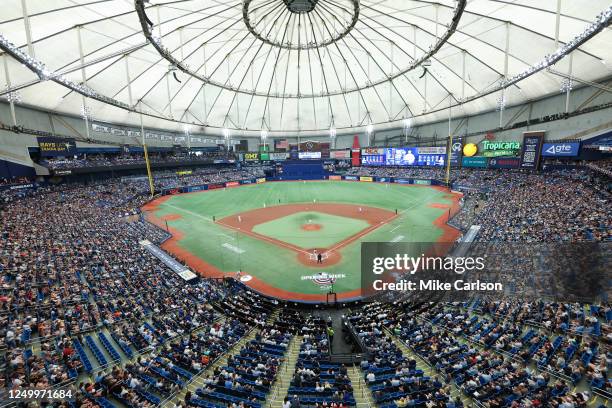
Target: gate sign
x,y
565,149
532,149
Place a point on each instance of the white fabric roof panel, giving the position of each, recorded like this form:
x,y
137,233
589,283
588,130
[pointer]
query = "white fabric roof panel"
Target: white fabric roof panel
x,y
272,65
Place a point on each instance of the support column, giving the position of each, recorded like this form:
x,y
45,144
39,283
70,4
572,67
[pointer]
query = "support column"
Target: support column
x,y
11,94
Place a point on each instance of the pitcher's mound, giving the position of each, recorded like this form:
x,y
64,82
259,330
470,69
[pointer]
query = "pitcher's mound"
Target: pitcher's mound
x,y
312,227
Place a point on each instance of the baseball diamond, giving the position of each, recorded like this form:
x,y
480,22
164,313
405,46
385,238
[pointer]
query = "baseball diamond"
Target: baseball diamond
x,y
261,229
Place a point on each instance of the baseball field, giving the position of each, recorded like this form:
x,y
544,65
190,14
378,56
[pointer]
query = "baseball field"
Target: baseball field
x,y
274,233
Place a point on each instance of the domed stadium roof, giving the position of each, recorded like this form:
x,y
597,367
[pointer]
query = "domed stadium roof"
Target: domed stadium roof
x,y
298,65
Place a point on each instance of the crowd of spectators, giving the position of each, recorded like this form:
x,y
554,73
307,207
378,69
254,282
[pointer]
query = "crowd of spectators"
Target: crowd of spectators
x,y
559,205
497,352
101,160
71,268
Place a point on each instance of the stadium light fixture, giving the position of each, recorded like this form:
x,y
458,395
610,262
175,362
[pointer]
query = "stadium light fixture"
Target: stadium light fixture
x,y
13,96
332,132
264,134
407,123
370,129
226,133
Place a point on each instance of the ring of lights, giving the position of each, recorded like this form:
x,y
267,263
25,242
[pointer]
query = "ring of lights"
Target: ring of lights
x,y
166,54
345,28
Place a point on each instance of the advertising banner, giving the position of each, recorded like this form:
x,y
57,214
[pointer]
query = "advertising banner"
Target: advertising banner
x,y
246,181
251,156
355,157
264,156
372,151
532,150
373,160
260,180
423,182
366,179
216,186
335,177
351,178
432,150
232,184
56,146
476,161
309,155
383,179
505,162
196,188
402,181
561,149
500,148
279,156
340,154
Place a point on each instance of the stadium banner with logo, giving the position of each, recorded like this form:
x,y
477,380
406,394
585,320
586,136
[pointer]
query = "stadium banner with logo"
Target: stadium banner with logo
x,y
561,149
246,181
56,146
402,181
456,152
476,161
264,156
422,182
215,186
532,150
500,148
279,156
366,179
505,162
232,184
260,180
251,157
351,178
335,177
384,179
26,186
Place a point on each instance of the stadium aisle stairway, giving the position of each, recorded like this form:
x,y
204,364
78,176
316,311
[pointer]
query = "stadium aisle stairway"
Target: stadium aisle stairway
x,y
361,392
283,379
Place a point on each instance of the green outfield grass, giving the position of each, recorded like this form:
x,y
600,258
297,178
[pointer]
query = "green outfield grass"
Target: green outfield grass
x,y
230,251
289,229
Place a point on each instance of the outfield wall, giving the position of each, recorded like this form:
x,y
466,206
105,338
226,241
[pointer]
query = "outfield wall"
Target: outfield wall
x,y
362,179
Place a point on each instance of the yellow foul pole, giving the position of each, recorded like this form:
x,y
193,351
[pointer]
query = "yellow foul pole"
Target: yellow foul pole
x,y
449,147
146,155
